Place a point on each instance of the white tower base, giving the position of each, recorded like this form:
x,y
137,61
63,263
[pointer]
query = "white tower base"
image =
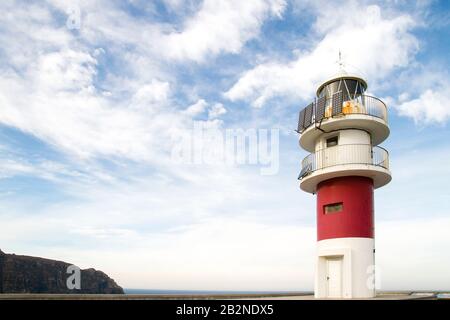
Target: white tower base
x,y
345,268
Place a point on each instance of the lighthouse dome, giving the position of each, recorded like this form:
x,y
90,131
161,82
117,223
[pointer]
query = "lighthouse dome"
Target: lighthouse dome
x,y
350,84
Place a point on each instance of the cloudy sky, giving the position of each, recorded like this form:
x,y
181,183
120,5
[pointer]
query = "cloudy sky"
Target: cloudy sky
x,y
95,96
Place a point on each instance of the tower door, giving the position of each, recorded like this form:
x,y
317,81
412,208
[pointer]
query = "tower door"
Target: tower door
x,y
334,277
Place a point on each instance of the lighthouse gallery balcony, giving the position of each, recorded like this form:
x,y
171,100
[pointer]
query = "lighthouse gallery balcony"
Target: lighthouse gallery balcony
x,y
345,160
343,111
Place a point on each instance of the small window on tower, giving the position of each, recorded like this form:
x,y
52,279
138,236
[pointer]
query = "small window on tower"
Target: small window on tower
x,y
333,207
333,141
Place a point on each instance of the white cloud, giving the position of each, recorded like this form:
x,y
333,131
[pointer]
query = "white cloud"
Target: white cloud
x,y
62,90
216,111
63,108
55,89
219,26
212,28
66,70
412,255
423,94
432,105
196,108
153,94
374,46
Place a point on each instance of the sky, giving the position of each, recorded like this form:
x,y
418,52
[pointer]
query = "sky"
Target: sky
x,y
98,97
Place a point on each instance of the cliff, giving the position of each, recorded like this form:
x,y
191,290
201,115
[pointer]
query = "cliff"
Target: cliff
x,y
24,274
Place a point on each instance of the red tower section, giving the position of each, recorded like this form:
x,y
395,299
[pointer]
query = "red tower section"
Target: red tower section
x,y
345,208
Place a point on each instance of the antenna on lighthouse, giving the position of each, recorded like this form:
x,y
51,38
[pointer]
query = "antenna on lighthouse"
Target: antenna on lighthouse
x,y
340,62
343,66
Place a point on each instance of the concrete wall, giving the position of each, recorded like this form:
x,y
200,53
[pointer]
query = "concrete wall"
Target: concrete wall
x,y
358,260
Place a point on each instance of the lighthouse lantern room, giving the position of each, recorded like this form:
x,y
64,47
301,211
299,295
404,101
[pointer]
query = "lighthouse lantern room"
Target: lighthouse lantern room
x,y
342,129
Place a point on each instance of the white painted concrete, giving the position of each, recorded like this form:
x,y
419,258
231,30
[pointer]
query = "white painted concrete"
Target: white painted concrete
x,y
357,260
351,157
377,127
345,137
379,175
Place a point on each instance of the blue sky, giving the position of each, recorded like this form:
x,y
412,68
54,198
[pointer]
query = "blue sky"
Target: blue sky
x,y
95,96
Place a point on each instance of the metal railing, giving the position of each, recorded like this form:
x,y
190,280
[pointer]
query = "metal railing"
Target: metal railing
x,y
343,155
349,104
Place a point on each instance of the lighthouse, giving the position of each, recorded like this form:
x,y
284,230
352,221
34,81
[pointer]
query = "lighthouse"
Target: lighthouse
x,y
342,130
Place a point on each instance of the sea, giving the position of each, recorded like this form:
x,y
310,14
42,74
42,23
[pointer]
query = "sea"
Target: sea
x,y
163,291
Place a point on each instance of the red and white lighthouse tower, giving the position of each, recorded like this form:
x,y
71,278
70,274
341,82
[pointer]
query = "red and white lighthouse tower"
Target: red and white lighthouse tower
x,y
342,129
